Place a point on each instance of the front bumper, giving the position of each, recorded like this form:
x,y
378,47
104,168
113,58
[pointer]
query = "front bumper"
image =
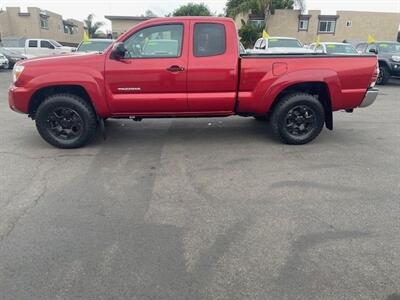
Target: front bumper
x,y
370,97
18,99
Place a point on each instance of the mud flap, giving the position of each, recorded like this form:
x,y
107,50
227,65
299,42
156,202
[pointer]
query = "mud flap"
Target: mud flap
x,y
102,128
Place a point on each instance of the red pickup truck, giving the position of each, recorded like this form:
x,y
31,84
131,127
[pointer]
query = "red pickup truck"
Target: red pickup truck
x,y
188,67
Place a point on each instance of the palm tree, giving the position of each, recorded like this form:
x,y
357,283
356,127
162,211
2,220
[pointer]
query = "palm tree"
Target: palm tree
x,y
92,26
255,6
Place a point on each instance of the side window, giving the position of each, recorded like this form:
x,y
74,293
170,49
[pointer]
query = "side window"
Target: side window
x,y
160,41
46,44
209,39
33,44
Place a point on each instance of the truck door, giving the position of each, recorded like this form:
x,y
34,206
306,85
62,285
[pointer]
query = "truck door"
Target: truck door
x,y
152,77
213,67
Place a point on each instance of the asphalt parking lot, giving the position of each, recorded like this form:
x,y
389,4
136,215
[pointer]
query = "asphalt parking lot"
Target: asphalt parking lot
x,y
203,209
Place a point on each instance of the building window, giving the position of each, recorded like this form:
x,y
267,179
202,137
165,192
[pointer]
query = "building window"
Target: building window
x,y
349,24
44,22
326,26
68,29
303,25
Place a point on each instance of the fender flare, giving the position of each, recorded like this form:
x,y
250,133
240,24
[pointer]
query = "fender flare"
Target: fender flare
x,y
91,84
325,76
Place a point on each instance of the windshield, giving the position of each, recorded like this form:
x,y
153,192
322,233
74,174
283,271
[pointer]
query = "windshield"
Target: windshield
x,y
283,43
57,44
93,46
340,49
389,47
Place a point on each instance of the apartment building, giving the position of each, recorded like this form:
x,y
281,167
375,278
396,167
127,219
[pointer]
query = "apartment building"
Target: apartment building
x,y
345,25
38,23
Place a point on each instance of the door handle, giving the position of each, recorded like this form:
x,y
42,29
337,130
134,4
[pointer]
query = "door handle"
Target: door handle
x,y
175,69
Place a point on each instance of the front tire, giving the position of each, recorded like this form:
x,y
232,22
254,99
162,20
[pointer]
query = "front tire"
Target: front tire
x,y
298,119
66,121
384,75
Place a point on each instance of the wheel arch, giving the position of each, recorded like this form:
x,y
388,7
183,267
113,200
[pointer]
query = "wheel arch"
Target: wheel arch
x,y
41,94
318,89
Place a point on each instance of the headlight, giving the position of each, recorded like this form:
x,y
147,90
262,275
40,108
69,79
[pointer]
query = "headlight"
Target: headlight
x,y
396,58
17,71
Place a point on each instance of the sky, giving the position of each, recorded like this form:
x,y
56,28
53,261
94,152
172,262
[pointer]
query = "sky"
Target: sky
x,y
79,9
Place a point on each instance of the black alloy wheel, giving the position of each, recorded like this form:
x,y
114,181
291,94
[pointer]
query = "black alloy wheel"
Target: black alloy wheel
x,y
298,118
66,121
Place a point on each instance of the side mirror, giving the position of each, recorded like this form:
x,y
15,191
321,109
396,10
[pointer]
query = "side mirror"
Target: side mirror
x,y
118,51
372,50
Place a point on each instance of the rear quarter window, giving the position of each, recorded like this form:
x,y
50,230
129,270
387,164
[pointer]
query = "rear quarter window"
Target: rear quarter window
x,y
209,39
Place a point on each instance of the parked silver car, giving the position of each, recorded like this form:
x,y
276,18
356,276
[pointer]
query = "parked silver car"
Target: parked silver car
x,y
333,48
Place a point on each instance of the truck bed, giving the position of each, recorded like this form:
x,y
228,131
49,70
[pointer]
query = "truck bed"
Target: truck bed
x,y
347,77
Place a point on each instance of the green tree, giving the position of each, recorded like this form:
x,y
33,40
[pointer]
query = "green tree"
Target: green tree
x,y
92,26
249,33
192,9
149,14
282,4
231,7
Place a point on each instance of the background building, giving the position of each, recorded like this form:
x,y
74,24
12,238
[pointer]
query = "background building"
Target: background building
x,y
345,25
39,23
121,24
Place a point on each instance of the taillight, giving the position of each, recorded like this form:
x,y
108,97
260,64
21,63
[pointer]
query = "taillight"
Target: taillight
x,y
375,76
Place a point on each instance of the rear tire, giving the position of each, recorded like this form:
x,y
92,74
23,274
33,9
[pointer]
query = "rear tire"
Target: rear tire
x,y
384,75
66,121
298,119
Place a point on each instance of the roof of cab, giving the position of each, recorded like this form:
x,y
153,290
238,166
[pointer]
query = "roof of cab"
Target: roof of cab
x,y
188,18
176,19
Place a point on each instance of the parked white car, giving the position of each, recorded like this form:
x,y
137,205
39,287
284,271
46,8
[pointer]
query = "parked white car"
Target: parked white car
x,y
3,62
280,45
333,48
41,47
